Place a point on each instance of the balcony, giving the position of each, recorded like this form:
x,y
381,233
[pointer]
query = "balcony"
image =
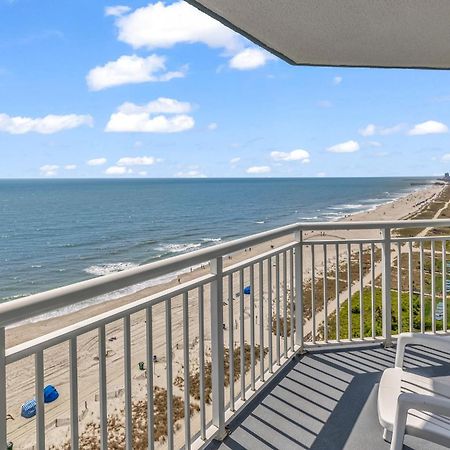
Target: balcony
x,y
225,345
326,399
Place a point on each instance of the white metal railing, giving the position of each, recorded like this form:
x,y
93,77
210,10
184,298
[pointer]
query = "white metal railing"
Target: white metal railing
x,y
250,313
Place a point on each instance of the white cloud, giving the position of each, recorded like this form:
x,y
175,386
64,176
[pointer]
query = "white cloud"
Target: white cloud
x,y
44,125
142,173
337,80
258,169
96,162
190,174
235,160
374,144
49,170
116,11
391,130
446,157
344,147
151,117
70,166
136,161
321,174
369,130
143,123
295,155
428,127
213,126
249,59
372,129
116,170
162,26
160,105
130,69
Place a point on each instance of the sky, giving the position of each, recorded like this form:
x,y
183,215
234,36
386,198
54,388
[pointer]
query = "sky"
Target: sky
x,y
138,89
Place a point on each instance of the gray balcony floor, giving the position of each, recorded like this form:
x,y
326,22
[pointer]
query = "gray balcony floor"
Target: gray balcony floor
x,y
327,400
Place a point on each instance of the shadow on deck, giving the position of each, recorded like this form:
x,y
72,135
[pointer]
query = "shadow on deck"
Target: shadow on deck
x,y
327,400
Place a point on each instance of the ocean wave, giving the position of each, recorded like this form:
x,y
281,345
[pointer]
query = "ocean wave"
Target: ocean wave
x,y
211,239
349,206
178,248
377,200
260,221
333,216
14,297
107,268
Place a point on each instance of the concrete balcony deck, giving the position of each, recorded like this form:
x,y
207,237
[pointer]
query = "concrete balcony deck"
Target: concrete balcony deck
x,y
327,399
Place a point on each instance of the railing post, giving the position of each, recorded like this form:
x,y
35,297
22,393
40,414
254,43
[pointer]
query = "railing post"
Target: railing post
x,y
217,351
298,275
3,435
386,285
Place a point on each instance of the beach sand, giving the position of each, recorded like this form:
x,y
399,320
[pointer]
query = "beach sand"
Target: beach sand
x,y
20,375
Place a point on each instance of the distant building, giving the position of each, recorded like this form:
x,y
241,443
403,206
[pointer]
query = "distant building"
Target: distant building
x,y
445,178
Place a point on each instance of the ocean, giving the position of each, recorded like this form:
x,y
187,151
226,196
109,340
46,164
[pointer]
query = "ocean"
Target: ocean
x,y
56,232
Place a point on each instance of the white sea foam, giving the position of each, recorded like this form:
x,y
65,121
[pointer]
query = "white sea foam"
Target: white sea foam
x,y
352,206
260,221
14,297
211,239
107,268
333,216
178,248
374,200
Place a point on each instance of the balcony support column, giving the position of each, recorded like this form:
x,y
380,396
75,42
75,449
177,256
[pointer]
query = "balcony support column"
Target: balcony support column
x,y
386,261
217,350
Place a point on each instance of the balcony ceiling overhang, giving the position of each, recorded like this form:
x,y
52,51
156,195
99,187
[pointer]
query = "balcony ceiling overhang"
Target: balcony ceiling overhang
x,y
354,33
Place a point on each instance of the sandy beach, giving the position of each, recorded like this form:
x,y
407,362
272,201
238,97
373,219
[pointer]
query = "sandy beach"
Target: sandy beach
x,y
20,375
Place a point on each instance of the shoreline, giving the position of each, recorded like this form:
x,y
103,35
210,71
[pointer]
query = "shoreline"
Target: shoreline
x,y
20,385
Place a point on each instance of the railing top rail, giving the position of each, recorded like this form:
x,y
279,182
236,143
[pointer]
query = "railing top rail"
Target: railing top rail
x,y
36,304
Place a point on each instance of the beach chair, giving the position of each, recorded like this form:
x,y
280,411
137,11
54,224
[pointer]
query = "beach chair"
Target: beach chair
x,y
413,404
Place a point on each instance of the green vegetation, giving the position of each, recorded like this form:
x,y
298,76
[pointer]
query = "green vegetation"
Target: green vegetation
x,y
367,315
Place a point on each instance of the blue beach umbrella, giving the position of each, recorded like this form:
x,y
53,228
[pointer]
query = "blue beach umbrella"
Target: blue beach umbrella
x,y
247,290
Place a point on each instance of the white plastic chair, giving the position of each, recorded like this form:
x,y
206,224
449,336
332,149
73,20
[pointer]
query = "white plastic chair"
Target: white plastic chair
x,y
412,404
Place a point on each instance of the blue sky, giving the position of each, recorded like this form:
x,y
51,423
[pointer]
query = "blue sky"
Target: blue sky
x,y
138,89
